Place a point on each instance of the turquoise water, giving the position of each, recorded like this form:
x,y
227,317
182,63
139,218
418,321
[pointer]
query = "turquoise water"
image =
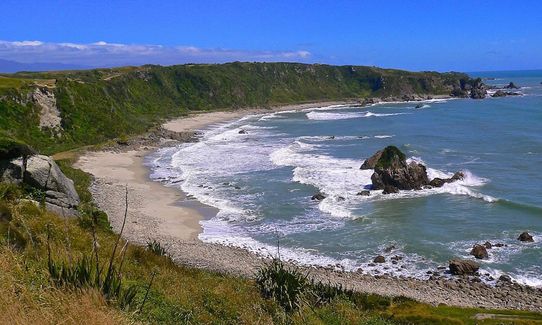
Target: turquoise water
x,y
262,183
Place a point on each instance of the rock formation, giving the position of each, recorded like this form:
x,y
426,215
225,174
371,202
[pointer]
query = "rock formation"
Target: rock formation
x,y
42,173
463,267
392,172
318,197
501,93
479,251
526,237
511,85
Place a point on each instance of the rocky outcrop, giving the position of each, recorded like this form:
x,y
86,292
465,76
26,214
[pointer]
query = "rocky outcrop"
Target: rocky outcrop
x,y
511,85
49,114
526,237
379,259
478,90
318,197
479,251
439,182
42,173
392,172
463,267
501,93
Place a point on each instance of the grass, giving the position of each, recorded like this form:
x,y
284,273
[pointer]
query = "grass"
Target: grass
x,y
178,295
104,104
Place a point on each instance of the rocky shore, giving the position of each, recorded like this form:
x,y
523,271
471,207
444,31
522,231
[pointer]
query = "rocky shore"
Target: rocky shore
x,y
185,249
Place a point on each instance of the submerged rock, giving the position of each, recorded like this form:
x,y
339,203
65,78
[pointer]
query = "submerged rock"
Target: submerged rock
x,y
526,237
463,267
501,93
419,106
318,197
479,251
243,132
364,193
488,245
379,259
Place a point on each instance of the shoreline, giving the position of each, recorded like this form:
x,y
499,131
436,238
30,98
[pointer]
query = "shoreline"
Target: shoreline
x,y
166,215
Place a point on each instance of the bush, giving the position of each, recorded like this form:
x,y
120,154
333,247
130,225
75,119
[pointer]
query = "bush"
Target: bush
x,y
157,248
287,286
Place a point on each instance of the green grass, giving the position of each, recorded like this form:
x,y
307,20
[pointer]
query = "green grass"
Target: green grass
x,y
103,104
179,295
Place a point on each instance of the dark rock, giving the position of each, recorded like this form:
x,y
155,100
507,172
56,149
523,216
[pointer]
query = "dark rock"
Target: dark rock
x,y
369,101
499,245
463,267
408,98
370,162
379,259
331,137
388,189
488,245
525,237
479,251
439,182
392,173
478,93
505,278
458,92
340,198
243,132
364,193
389,248
511,85
419,106
318,197
499,93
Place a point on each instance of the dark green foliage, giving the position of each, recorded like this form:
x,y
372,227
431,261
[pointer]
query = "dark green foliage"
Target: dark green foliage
x,y
157,248
104,104
389,155
10,148
287,286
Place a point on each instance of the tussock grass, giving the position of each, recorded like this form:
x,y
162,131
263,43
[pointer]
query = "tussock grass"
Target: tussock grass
x,y
31,294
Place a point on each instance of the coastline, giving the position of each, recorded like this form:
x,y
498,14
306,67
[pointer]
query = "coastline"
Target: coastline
x,y
157,212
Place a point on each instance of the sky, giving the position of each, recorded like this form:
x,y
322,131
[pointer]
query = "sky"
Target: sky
x,y
415,35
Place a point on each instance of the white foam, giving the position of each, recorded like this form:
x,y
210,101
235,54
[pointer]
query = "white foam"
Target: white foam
x,y
384,136
326,116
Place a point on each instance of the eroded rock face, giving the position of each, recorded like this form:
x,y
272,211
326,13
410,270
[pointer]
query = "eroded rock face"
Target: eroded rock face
x,y
370,163
511,85
41,172
463,267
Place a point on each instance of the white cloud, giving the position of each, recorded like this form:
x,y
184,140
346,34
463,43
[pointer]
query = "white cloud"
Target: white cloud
x,y
106,54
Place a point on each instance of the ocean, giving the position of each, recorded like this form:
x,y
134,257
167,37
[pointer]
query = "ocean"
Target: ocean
x,y
262,180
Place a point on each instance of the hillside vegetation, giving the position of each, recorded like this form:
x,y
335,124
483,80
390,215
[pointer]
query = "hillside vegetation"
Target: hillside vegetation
x,y
102,104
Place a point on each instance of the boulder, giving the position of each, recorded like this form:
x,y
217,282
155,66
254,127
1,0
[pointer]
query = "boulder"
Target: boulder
x,y
364,193
370,162
318,197
243,132
42,173
439,182
488,245
379,259
463,267
479,251
505,278
511,85
419,106
393,173
526,237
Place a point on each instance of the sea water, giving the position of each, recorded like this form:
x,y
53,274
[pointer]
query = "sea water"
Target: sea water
x,y
262,181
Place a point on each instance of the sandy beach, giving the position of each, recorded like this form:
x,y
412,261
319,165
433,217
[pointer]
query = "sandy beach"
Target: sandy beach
x,y
156,212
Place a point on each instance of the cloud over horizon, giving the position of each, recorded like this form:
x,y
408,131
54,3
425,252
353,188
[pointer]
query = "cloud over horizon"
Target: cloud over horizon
x,y
103,54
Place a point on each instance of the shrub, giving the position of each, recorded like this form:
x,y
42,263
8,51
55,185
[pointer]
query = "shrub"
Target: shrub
x,y
287,286
157,248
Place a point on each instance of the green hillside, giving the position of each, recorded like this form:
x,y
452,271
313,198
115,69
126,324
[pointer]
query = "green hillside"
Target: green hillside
x,y
97,105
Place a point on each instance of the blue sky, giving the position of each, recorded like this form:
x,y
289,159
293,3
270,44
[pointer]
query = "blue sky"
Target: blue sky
x,y
416,35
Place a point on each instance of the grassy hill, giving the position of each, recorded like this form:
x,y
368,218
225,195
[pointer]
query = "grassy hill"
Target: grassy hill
x,y
101,104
